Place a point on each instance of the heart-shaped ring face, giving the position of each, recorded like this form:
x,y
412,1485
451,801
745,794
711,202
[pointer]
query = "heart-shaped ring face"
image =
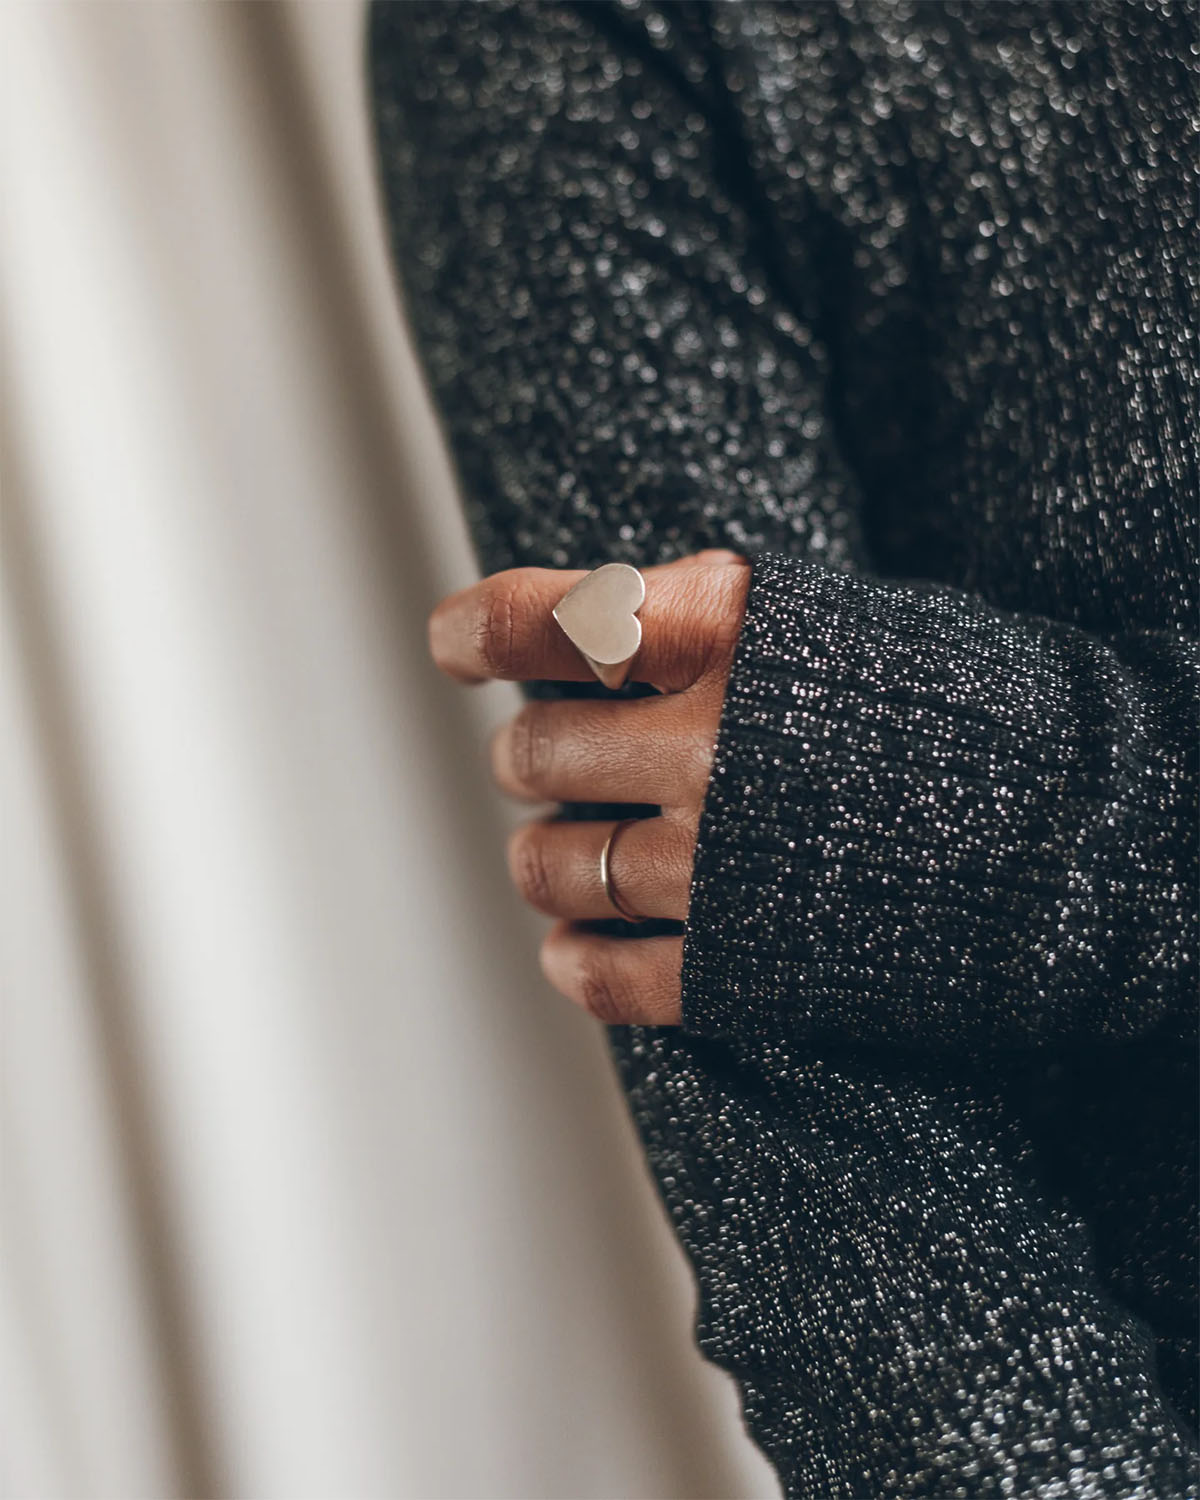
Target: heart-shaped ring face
x,y
599,616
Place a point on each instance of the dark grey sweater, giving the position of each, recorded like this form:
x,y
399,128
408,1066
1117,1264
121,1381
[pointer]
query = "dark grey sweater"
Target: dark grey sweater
x,y
901,299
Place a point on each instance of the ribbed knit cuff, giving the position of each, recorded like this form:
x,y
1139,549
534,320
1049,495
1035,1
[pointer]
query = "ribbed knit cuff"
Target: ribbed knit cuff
x,y
914,831
812,906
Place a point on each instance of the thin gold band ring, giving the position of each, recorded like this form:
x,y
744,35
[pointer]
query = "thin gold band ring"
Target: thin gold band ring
x,y
606,879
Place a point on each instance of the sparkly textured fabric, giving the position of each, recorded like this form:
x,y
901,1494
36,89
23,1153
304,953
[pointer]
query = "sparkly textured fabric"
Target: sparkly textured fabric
x,y
901,299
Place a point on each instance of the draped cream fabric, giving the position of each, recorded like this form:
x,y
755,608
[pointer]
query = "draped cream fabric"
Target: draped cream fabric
x,y
310,1186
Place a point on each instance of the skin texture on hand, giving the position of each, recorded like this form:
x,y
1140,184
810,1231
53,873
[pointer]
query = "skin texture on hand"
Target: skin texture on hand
x,y
653,750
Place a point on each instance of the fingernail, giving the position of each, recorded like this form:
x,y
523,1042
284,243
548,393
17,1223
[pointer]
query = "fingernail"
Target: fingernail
x,y
437,634
555,964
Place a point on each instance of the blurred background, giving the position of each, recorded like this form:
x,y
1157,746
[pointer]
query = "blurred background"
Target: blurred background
x,y
310,1186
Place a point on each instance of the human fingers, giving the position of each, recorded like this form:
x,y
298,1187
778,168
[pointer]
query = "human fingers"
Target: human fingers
x,y
504,627
555,864
620,982
605,750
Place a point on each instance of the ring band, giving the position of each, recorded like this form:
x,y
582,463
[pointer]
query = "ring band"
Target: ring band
x,y
599,618
606,879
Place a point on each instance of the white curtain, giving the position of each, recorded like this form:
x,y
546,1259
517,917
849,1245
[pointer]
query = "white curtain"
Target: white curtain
x,y
310,1186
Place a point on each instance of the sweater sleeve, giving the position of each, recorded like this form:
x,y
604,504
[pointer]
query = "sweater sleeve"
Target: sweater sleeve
x,y
934,822
609,328
621,359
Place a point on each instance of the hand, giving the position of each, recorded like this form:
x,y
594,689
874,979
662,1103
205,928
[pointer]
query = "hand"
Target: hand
x,y
653,750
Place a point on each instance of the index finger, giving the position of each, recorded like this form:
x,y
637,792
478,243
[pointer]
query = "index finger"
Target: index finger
x,y
503,626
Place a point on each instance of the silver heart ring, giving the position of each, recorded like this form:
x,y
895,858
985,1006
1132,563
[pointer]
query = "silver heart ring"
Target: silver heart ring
x,y
599,618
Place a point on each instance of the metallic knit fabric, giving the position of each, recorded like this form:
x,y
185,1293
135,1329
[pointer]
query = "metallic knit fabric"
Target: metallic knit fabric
x,y
901,299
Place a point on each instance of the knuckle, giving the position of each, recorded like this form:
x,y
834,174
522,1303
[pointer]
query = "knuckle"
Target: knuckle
x,y
681,860
501,635
680,636
695,752
495,628
729,587
531,747
597,994
668,864
705,619
686,726
530,868
686,833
